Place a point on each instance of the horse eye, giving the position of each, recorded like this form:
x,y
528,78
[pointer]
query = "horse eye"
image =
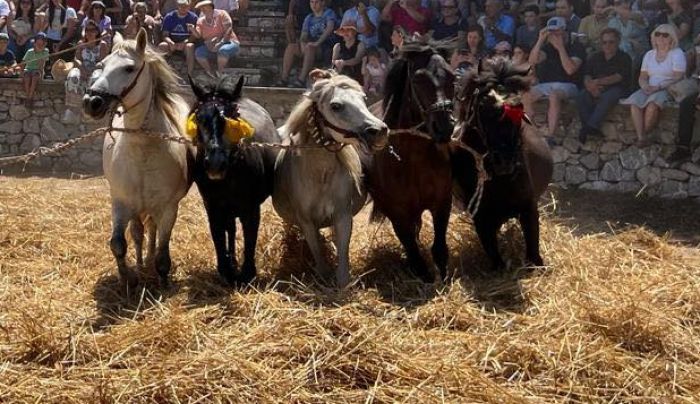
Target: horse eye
x,y
336,106
129,69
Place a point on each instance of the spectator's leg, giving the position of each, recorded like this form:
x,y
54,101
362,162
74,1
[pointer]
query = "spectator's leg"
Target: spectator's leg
x,y
651,117
686,118
226,52
638,121
553,112
290,53
189,57
308,63
586,106
26,81
164,47
202,56
607,100
529,98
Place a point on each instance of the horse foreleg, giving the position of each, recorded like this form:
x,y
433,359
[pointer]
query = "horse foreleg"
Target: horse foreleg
x,y
487,230
441,218
406,232
251,223
164,224
217,227
313,240
120,219
530,224
342,227
150,225
136,227
231,238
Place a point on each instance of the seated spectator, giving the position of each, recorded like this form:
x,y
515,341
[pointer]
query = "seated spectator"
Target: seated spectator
x,y
34,64
41,24
565,9
592,25
90,52
398,36
5,15
503,50
521,54
348,53
367,19
21,28
557,61
315,45
408,14
62,25
8,63
469,54
448,24
139,19
215,29
686,118
606,80
110,8
662,66
497,26
96,13
681,17
177,28
373,74
297,12
527,33
632,29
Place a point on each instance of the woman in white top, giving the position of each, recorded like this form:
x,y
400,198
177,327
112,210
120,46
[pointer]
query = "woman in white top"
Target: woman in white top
x,y
662,66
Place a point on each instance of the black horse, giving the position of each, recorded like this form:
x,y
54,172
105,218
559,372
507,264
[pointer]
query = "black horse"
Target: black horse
x,y
517,161
233,178
414,173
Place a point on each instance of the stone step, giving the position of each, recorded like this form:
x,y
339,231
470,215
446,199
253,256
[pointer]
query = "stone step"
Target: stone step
x,y
265,14
257,30
266,5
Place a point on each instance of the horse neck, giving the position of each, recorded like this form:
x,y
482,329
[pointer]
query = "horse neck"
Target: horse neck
x,y
140,115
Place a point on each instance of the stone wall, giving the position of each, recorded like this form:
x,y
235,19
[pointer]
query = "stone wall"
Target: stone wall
x,y
614,163
23,130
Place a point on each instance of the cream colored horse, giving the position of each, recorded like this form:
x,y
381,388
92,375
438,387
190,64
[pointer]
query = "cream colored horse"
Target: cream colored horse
x,y
321,187
147,176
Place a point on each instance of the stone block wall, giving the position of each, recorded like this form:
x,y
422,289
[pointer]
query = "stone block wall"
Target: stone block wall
x,y
22,129
614,163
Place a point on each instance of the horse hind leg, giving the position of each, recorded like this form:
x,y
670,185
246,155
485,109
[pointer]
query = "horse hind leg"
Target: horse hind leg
x,y
136,230
487,230
441,218
313,240
118,244
405,230
150,226
251,224
342,229
530,225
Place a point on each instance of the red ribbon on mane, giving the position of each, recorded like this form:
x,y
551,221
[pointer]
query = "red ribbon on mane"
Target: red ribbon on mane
x,y
514,112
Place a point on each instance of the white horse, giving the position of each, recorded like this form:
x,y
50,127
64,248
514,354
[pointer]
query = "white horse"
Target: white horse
x,y
318,187
147,176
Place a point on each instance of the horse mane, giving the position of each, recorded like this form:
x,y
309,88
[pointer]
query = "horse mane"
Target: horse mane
x,y
394,86
298,121
167,94
494,72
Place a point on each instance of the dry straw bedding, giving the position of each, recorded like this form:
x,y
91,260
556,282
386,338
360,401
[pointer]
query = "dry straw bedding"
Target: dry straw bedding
x,y
615,318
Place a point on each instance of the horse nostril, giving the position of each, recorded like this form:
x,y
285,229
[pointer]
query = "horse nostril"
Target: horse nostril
x,y
96,103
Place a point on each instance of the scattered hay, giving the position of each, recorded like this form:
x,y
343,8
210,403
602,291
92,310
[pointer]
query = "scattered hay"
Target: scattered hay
x,y
614,318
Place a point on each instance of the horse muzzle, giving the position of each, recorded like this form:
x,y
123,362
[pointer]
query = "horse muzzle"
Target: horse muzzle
x,y
98,104
216,164
376,137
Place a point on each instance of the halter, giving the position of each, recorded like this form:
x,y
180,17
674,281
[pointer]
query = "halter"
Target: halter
x,y
443,105
317,123
123,94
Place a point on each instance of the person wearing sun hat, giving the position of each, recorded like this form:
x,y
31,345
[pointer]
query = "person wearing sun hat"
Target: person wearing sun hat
x,y
347,54
315,44
178,26
34,63
7,58
215,29
96,13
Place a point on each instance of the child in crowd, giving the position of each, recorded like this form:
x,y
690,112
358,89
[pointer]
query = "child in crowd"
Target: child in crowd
x,y
7,58
373,73
35,61
347,54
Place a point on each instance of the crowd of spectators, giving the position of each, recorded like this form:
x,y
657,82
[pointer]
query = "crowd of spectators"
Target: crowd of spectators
x,y
596,53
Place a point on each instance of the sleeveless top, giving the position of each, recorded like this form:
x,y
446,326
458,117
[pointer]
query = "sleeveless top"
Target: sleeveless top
x,y
90,56
346,54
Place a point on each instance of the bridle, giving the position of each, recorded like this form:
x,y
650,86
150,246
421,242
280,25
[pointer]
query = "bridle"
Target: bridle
x,y
123,94
317,123
441,105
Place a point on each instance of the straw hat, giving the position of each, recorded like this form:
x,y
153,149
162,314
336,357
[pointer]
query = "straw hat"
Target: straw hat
x,y
60,69
347,26
204,3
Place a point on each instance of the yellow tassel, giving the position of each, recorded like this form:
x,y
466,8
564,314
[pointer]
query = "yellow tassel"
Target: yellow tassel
x,y
191,127
237,129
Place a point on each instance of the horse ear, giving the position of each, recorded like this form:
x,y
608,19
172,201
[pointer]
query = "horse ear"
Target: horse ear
x,y
141,40
117,39
196,89
318,74
238,92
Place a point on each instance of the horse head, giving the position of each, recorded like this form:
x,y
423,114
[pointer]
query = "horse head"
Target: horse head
x,y
215,124
120,73
418,92
338,105
492,114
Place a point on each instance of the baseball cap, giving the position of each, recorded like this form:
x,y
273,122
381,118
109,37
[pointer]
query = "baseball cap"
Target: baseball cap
x,y
183,2
556,23
40,35
4,36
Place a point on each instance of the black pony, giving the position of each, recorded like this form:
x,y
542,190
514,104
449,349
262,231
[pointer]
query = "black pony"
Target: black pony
x,y
517,161
233,178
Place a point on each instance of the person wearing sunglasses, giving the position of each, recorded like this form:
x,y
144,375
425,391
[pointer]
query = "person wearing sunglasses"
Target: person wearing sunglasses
x,y
606,80
662,66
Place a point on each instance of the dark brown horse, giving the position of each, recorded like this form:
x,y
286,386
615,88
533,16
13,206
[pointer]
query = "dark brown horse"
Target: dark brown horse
x,y
414,174
517,161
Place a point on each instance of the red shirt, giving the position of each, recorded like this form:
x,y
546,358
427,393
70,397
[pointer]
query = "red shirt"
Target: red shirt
x,y
399,16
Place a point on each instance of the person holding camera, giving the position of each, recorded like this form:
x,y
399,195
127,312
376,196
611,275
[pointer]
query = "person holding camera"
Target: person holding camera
x,y
408,14
557,61
177,28
140,19
215,29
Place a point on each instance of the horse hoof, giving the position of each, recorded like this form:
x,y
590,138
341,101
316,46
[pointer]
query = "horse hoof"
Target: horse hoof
x,y
247,275
163,282
534,262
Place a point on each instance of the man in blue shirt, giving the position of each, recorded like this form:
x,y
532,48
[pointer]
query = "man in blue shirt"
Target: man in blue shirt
x,y
7,58
497,26
367,19
177,27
